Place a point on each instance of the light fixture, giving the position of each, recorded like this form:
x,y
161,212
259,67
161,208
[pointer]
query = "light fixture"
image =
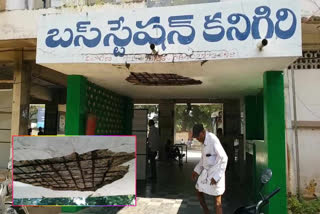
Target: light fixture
x,y
127,66
153,49
262,44
189,109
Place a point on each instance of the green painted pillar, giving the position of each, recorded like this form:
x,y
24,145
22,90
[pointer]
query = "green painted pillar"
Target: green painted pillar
x,y
76,115
254,117
254,131
274,132
76,105
250,103
260,118
128,116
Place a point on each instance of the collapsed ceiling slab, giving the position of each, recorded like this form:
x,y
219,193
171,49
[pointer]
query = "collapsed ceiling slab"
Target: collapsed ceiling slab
x,y
83,172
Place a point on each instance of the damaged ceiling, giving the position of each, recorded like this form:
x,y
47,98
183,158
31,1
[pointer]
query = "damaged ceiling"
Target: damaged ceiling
x,y
83,172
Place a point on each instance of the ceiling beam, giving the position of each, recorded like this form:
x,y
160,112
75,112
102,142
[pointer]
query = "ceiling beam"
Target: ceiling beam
x,y
307,124
7,81
6,86
8,55
18,43
310,38
49,75
40,92
182,101
29,55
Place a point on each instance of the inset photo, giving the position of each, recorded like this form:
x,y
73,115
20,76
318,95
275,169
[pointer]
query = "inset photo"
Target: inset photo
x,y
74,170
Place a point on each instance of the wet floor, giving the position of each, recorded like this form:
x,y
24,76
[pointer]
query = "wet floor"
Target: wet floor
x,y
173,192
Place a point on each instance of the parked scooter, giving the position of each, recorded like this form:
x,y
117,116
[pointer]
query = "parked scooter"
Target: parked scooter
x,y
256,208
6,200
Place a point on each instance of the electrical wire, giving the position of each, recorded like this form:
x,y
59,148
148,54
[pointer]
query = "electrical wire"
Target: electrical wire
x,y
310,110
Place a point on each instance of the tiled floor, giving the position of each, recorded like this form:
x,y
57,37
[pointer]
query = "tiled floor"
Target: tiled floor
x,y
173,193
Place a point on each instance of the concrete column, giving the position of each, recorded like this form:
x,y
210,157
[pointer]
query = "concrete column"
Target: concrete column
x,y
51,119
232,127
242,145
274,132
166,125
2,5
292,157
231,118
20,98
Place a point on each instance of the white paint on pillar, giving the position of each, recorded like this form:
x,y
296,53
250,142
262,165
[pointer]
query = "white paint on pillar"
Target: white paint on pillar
x,y
20,99
5,126
166,126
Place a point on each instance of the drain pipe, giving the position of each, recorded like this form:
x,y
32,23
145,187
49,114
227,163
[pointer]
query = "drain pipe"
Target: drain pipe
x,y
296,131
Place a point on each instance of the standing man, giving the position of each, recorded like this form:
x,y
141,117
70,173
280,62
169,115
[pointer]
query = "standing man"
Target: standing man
x,y
40,131
153,147
210,171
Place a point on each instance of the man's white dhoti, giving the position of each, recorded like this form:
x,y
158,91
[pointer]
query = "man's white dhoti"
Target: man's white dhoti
x,y
212,164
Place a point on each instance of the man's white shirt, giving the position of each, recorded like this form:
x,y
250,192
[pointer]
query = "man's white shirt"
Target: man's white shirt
x,y
213,164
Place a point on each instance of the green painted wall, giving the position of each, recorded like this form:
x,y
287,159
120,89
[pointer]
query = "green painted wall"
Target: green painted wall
x,y
274,132
254,118
256,151
250,117
261,164
260,118
114,112
129,108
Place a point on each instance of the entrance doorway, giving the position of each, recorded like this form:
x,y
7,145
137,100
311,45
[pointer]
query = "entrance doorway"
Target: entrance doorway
x,y
186,115
153,112
36,119
173,184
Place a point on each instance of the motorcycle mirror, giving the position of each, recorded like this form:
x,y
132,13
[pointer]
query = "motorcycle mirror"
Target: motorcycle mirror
x,y
266,176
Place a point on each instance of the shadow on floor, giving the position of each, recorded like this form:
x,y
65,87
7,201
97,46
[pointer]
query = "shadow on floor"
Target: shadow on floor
x,y
174,193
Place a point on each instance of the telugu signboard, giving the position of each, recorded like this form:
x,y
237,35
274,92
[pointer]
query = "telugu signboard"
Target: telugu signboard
x,y
225,30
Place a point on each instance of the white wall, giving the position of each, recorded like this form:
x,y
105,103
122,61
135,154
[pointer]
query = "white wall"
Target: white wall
x,y
16,24
308,94
5,126
307,109
309,148
310,8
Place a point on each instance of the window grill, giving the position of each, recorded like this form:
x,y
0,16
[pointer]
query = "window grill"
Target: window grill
x,y
309,60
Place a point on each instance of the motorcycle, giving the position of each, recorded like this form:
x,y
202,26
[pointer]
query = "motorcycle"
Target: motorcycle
x,y
6,200
256,208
